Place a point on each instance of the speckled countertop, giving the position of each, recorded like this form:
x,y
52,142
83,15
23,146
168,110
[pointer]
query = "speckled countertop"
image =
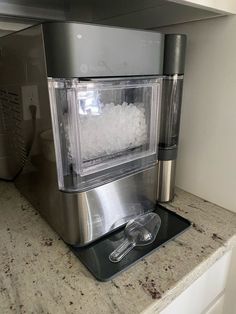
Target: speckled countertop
x,y
40,275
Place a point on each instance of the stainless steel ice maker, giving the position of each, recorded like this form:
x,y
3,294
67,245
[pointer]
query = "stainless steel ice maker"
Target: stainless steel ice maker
x,y
80,120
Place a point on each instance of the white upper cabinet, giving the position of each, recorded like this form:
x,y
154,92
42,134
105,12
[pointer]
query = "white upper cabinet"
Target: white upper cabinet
x,y
146,14
221,6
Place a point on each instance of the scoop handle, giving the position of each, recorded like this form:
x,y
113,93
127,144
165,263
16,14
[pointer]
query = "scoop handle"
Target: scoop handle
x,y
123,249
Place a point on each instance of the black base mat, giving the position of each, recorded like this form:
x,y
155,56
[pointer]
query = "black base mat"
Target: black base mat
x,y
95,255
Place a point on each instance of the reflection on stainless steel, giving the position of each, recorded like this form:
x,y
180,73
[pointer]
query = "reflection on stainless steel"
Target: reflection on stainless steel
x,y
166,178
124,220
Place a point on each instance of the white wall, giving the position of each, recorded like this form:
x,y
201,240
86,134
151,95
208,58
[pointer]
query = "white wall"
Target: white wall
x,y
207,154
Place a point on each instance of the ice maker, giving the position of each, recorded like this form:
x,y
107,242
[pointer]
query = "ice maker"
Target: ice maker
x,y
87,111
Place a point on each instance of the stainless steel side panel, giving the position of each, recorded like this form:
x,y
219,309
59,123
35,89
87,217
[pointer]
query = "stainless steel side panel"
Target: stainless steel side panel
x,y
23,83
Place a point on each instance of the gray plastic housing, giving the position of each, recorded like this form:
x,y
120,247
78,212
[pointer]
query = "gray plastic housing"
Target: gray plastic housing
x,y
85,50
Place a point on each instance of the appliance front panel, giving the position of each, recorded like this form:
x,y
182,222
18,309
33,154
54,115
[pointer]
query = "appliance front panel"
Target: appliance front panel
x,y
81,218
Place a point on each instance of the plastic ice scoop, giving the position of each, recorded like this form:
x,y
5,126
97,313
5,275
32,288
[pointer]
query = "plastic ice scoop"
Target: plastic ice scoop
x,y
139,231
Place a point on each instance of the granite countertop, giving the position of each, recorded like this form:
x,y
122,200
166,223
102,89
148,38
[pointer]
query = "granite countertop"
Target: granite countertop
x,y
40,275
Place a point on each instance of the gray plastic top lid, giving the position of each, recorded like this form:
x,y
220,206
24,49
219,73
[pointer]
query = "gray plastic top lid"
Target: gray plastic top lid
x,y
87,50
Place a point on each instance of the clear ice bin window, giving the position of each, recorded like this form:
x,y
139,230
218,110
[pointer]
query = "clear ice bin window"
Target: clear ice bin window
x,y
103,129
